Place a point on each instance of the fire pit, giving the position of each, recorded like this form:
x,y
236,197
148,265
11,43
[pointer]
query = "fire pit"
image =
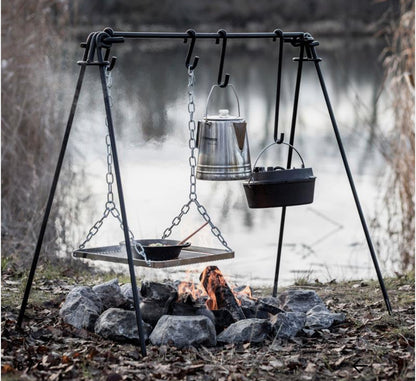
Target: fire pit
x,y
208,313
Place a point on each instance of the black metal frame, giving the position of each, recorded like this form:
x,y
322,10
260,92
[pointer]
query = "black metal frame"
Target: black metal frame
x,y
99,41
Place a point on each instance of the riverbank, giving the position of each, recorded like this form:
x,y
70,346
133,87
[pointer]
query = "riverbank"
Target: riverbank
x,y
370,344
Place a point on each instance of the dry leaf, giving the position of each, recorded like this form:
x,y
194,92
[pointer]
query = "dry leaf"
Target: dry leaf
x,y
6,368
276,363
310,368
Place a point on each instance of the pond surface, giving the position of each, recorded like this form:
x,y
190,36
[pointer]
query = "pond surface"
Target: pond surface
x,y
323,240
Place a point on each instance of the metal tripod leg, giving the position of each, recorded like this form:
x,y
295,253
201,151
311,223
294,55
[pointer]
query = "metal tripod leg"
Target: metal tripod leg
x,y
136,299
50,198
351,181
289,163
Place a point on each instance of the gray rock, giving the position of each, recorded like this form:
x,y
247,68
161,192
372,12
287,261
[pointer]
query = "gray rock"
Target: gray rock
x,y
204,311
318,309
308,332
110,294
271,300
319,317
118,324
152,310
158,291
244,331
190,309
183,331
251,312
262,308
127,291
247,303
268,306
81,308
288,324
299,300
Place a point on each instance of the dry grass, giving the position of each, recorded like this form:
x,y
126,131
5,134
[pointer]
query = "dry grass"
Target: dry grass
x,y
29,118
398,207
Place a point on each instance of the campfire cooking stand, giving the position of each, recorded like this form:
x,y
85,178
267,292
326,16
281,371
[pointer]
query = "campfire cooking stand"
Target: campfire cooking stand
x,y
97,53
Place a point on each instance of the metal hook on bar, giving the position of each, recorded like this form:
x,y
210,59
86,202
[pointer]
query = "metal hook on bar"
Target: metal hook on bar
x,y
278,34
93,45
110,39
102,43
222,34
86,45
192,35
112,63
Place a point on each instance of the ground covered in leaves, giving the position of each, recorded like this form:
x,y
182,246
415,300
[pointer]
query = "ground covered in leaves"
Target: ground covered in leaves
x,y
370,345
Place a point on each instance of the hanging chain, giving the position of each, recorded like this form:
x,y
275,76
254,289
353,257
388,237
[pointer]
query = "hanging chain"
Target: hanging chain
x,y
193,198
110,206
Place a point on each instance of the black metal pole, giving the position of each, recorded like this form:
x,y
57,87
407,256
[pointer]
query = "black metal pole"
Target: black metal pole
x,y
289,163
136,298
276,138
351,180
287,36
51,197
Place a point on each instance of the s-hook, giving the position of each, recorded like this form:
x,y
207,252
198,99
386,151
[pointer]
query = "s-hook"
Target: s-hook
x,y
222,34
279,140
192,35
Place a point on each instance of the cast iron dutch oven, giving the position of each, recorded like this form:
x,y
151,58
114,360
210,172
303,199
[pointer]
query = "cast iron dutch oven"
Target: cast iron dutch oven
x,y
276,186
158,249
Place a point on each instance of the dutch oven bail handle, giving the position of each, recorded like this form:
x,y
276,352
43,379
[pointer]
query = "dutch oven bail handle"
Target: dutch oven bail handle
x,y
267,147
210,93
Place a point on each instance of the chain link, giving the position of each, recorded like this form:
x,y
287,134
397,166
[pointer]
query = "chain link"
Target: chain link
x,y
193,198
110,206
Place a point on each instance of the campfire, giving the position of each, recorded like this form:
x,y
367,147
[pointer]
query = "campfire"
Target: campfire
x,y
187,313
215,290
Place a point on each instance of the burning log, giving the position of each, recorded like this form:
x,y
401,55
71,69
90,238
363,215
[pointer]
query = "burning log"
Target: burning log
x,y
220,294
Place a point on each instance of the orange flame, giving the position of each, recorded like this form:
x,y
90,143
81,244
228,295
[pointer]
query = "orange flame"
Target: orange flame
x,y
245,292
189,287
212,279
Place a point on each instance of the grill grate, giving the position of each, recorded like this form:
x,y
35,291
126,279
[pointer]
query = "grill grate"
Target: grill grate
x,y
188,256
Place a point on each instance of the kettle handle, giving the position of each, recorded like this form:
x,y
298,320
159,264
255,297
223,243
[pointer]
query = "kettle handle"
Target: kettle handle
x,y
267,147
209,96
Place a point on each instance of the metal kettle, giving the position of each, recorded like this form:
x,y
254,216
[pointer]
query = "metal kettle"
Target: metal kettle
x,y
223,151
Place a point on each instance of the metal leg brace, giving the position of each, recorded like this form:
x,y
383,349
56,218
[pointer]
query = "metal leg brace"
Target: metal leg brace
x,y
351,181
50,198
102,68
289,163
316,61
136,298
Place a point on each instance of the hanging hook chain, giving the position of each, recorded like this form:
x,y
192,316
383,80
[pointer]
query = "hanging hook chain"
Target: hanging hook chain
x,y
110,206
193,198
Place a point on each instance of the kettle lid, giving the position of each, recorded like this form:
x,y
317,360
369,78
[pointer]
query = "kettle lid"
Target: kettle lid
x,y
224,114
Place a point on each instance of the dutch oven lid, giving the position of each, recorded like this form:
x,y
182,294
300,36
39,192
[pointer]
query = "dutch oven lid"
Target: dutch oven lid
x,y
262,175
281,175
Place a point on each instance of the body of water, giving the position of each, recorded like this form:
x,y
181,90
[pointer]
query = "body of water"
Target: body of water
x,y
323,240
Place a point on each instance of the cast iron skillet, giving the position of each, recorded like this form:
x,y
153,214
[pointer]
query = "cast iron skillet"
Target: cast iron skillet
x,y
169,250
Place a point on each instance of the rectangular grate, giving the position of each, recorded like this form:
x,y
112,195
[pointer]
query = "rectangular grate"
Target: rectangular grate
x,y
190,255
